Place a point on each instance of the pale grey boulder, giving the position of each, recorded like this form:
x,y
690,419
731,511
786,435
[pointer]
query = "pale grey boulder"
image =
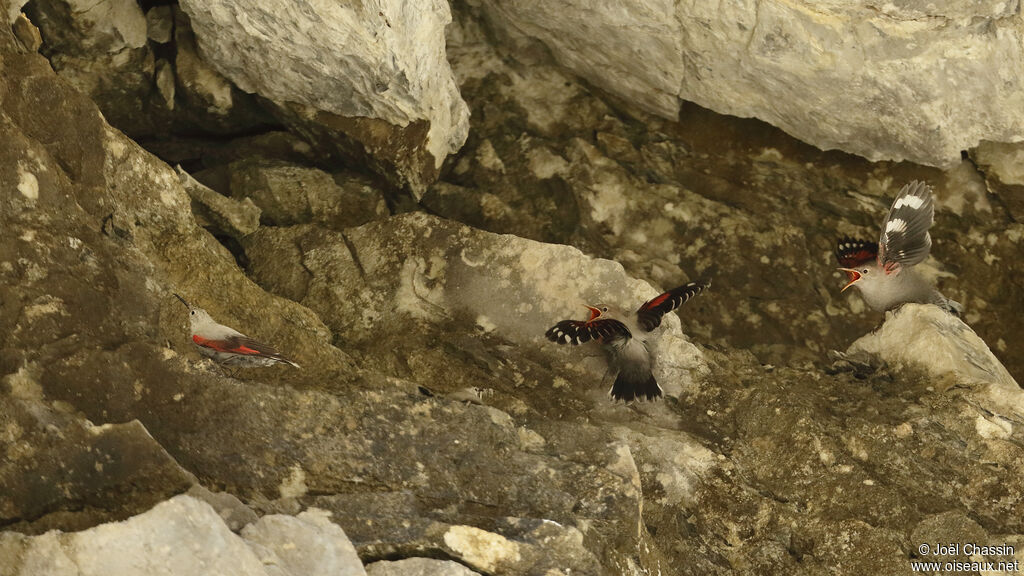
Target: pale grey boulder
x,y
184,536
418,567
308,544
372,76
181,537
913,81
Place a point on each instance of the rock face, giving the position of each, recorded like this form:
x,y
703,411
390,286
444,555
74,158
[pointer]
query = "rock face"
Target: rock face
x,y
101,48
236,218
941,344
185,536
1001,164
928,81
370,283
432,428
58,464
141,69
735,201
308,543
418,567
371,75
289,194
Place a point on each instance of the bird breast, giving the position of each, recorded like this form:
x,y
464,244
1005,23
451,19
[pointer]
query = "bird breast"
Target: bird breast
x,y
883,292
629,350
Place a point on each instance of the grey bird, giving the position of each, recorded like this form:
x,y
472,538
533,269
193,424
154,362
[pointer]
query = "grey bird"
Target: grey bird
x,y
228,346
623,338
884,271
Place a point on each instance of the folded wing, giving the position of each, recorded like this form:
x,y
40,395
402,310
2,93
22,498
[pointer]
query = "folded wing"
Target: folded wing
x,y
243,346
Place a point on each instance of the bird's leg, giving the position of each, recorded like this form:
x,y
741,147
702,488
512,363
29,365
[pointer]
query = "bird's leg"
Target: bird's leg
x,y
225,370
861,365
634,405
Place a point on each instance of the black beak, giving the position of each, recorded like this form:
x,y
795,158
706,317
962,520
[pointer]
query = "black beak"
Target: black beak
x,y
183,301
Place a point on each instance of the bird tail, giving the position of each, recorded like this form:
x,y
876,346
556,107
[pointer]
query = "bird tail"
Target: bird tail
x,y
284,360
631,385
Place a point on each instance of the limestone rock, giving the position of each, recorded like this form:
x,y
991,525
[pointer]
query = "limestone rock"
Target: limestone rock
x,y
14,9
150,543
383,525
101,48
909,81
160,24
75,472
184,536
734,200
235,218
418,567
307,544
109,26
924,337
1001,164
380,85
292,194
372,281
26,32
234,513
758,461
200,84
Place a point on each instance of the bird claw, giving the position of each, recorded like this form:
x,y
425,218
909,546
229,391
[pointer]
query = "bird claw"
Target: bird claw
x,y
861,365
471,395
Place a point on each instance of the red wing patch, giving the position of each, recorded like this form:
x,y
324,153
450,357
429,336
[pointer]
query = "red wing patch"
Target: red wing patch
x,y
577,331
852,253
656,301
236,345
218,345
649,315
242,346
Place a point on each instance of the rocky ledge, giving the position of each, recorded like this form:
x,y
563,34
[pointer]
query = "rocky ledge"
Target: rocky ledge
x,y
410,256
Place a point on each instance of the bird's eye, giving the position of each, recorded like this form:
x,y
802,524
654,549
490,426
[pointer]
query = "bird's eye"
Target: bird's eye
x,y
193,312
864,271
604,309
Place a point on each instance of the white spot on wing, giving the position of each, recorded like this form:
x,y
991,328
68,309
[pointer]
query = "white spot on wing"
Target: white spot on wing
x,y
896,225
914,202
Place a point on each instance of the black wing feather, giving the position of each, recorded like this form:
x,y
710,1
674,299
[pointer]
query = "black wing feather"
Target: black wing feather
x,y
905,239
649,315
578,332
851,252
245,346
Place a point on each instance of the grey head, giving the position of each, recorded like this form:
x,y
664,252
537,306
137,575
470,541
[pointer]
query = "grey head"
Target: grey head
x,y
197,317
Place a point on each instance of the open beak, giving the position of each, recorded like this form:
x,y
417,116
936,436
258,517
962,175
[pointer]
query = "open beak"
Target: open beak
x,y
852,276
594,313
182,301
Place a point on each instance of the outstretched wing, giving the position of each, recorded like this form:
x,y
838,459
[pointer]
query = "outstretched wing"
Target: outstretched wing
x,y
852,253
577,331
649,315
905,240
243,346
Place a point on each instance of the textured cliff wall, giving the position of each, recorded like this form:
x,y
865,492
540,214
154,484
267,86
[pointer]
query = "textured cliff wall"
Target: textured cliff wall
x,y
403,197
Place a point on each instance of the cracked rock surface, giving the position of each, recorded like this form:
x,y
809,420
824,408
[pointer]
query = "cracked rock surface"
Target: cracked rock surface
x,y
432,429
930,79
